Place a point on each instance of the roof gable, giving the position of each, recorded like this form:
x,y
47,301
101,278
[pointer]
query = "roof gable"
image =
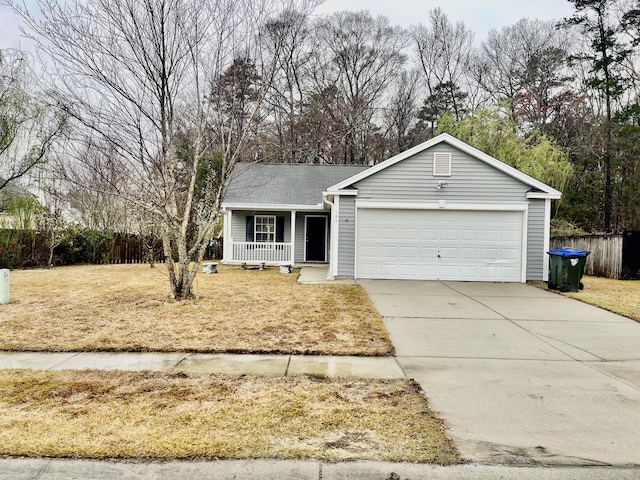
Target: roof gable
x,y
543,190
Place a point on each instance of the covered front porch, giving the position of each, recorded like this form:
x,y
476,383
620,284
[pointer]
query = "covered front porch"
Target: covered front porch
x,y
275,237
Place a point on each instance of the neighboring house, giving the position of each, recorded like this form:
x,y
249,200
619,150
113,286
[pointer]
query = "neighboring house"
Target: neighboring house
x,y
15,205
442,210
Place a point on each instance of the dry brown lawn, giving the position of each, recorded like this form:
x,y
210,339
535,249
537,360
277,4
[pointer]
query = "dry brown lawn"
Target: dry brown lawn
x,y
618,296
126,308
93,414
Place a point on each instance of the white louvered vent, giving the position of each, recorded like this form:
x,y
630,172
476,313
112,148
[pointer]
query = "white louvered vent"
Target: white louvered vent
x,y
441,164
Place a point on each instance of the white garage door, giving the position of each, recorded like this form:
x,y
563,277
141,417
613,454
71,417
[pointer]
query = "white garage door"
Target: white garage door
x,y
439,245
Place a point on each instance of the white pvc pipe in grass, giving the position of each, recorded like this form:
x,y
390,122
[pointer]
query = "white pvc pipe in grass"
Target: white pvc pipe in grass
x,y
4,286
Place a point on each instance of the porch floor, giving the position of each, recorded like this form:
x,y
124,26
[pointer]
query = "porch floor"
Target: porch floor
x,y
315,274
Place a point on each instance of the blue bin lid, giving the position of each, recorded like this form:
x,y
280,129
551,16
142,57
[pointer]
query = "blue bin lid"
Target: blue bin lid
x,y
568,252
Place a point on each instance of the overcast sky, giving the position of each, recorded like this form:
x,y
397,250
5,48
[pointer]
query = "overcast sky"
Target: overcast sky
x,y
479,15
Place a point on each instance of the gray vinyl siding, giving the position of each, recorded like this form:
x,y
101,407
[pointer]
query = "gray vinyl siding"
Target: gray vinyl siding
x,y
471,180
239,223
535,240
347,236
299,246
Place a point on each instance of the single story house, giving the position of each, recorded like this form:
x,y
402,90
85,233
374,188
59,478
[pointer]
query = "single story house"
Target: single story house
x,y
442,210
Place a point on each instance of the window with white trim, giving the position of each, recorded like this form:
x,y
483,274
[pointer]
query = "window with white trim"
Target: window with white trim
x,y
265,228
441,164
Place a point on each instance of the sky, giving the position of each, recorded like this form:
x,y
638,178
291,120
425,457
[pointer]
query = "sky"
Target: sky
x,y
478,15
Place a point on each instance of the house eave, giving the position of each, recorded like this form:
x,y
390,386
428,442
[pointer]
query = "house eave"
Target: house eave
x,y
555,195
332,191
272,207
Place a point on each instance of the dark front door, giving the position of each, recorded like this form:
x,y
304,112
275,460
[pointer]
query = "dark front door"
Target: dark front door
x,y
316,239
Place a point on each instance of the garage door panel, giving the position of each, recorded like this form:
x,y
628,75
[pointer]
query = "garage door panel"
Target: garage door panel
x,y
511,254
490,235
436,244
449,234
469,235
388,234
449,252
510,236
469,253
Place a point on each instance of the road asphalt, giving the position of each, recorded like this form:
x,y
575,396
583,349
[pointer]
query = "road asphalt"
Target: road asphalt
x,y
61,469
531,385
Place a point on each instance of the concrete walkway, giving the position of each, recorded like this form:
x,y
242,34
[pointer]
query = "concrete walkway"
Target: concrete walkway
x,y
520,375
317,274
200,363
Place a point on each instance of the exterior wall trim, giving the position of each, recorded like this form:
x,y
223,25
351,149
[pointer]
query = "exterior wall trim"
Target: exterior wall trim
x,y
525,242
442,205
547,239
279,208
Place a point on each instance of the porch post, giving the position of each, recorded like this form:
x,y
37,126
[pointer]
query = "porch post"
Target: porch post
x,y
293,237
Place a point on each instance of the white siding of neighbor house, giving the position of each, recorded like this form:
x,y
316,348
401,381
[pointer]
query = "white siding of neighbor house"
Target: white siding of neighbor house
x,y
347,237
535,240
471,180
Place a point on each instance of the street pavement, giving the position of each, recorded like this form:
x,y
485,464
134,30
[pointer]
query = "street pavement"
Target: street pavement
x,y
520,376
62,469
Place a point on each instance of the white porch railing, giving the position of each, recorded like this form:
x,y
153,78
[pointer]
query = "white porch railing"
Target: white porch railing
x,y
256,252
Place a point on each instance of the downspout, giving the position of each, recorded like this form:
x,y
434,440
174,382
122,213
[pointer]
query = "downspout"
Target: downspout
x,y
333,242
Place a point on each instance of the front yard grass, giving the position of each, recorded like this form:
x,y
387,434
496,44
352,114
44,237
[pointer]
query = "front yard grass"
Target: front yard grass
x,y
618,296
144,415
126,308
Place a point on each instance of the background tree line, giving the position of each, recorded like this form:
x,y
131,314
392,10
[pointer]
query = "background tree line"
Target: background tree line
x,y
152,102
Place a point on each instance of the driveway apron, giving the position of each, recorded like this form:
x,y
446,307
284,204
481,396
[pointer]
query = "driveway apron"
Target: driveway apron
x,y
520,375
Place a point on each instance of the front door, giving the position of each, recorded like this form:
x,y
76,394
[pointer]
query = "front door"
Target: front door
x,y
316,239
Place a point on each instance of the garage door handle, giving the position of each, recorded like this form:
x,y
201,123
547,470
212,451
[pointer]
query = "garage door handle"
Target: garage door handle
x,y
438,255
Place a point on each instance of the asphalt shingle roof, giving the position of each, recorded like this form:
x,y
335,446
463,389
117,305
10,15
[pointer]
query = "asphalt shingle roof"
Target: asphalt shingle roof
x,y
284,184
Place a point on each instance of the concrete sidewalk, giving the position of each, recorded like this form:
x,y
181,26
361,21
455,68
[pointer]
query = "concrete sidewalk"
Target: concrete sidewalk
x,y
201,363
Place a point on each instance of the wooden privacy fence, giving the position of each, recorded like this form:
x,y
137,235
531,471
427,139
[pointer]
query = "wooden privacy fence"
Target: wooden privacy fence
x,y
612,256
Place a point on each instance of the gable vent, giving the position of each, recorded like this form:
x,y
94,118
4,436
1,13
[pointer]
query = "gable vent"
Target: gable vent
x,y
441,164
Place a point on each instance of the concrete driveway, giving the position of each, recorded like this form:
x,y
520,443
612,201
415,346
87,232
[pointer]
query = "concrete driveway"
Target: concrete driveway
x,y
520,375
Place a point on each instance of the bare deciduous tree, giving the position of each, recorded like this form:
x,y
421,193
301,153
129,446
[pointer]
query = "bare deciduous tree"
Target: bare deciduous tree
x,y
138,75
290,44
443,51
523,68
401,113
28,126
363,55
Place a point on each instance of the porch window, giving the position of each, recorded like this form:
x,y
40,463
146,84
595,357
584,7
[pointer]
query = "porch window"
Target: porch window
x,y
265,231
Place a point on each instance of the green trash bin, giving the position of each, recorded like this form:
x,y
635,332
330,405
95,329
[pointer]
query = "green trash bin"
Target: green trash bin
x,y
566,267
